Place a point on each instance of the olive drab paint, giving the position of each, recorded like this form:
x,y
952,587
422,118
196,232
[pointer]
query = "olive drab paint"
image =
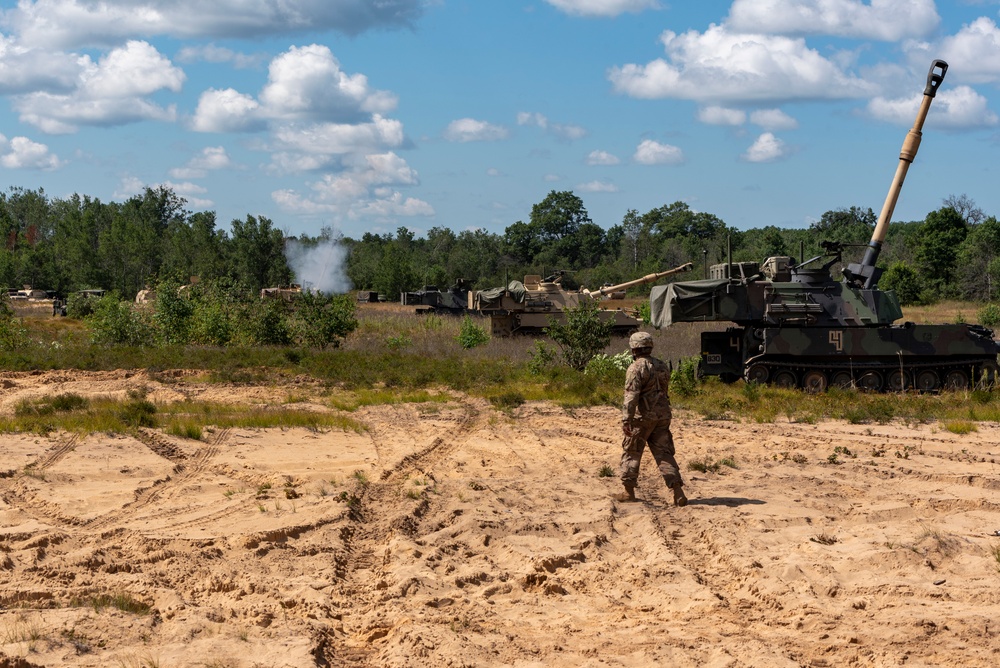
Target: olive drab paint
x,y
798,327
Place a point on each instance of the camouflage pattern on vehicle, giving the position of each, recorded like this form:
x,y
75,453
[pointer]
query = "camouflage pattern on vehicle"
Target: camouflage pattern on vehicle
x,y
530,307
798,327
429,299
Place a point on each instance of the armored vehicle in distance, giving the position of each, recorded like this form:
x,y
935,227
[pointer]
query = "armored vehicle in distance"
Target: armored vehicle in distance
x,y
429,299
795,326
529,307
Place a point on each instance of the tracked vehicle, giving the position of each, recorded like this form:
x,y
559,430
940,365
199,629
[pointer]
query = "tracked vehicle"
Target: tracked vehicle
x,y
795,326
531,306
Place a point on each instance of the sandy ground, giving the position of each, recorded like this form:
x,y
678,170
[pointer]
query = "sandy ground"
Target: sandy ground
x,y
456,535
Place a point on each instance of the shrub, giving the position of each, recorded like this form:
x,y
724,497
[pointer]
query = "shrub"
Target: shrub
x,y
471,335
173,314
644,312
79,306
989,315
13,334
115,322
609,365
321,320
683,379
542,357
582,335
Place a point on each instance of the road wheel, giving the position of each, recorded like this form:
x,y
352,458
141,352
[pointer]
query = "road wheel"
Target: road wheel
x,y
785,379
815,382
899,380
928,381
956,379
758,373
843,380
870,381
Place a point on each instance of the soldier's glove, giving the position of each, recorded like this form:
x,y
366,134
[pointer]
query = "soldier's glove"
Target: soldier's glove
x,y
627,429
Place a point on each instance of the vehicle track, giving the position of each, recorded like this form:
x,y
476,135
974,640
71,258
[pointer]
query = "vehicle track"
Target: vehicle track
x,y
379,509
56,454
165,488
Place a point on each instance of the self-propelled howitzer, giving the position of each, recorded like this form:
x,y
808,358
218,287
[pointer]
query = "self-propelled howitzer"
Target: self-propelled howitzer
x,y
531,306
795,326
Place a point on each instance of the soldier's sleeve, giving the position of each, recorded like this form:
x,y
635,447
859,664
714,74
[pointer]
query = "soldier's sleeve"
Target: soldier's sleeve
x,y
633,390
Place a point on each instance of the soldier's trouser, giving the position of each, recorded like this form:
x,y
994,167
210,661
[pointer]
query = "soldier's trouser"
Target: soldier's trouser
x,y
655,433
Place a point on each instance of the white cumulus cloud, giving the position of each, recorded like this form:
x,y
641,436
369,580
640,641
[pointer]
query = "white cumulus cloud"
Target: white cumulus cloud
x,y
956,108
767,148
470,129
602,7
74,23
886,20
211,158
773,119
602,158
720,66
366,190
651,152
24,69
307,83
558,130
227,111
597,187
112,91
715,115
210,53
973,53
22,153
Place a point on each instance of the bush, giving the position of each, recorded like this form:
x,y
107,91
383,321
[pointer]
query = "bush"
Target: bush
x,y
321,320
683,379
471,334
905,281
644,312
582,335
115,322
13,334
989,315
173,314
609,365
542,357
79,306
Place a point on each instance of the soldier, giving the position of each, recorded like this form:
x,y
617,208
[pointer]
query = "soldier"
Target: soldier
x,y
646,420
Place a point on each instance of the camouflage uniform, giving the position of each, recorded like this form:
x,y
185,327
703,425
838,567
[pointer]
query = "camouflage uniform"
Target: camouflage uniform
x,y
646,419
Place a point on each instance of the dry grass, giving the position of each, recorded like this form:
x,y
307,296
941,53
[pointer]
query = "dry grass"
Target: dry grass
x,y
942,313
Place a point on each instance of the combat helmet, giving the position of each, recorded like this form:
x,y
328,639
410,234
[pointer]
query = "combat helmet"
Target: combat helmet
x,y
640,340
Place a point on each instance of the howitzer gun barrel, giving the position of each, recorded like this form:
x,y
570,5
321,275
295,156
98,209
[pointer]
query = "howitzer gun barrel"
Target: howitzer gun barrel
x,y
648,278
911,143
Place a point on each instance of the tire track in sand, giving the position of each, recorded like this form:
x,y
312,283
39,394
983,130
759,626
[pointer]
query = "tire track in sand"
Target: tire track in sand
x,y
170,486
377,510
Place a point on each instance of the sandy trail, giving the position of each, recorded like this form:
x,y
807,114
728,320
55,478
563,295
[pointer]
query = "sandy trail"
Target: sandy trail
x,y
456,535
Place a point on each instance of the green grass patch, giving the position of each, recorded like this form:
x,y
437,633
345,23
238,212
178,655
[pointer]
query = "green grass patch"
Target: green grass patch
x,y
119,600
351,401
960,426
188,418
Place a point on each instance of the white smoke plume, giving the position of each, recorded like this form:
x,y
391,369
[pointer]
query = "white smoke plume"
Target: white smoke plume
x,y
320,268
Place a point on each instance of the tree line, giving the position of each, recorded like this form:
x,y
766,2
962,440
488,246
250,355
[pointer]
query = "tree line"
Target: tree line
x,y
78,242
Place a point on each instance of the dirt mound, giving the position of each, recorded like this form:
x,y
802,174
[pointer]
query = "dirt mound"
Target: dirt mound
x,y
455,535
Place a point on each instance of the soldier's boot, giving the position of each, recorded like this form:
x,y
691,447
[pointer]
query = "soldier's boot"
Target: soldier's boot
x,y
628,495
680,500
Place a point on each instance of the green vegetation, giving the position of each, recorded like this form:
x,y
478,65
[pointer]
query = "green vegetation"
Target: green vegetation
x,y
119,600
183,419
583,334
471,334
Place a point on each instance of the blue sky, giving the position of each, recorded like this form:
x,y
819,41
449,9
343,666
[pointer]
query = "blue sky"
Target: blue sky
x,y
367,116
